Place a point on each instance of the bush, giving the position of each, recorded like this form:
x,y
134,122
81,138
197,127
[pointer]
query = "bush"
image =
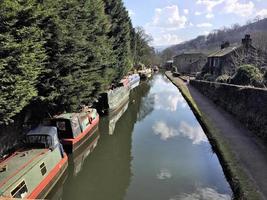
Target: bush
x,y
199,76
209,77
223,78
248,75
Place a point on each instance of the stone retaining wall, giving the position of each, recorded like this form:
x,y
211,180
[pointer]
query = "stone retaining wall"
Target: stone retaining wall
x,y
248,104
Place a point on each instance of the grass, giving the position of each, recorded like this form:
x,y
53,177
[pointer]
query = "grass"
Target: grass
x,y
240,183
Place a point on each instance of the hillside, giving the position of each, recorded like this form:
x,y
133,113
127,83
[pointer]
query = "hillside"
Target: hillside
x,y
234,34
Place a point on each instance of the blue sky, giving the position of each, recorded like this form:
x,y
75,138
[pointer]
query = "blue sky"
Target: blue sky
x,y
174,21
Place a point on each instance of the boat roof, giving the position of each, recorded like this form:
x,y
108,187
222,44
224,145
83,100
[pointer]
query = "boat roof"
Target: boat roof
x,y
17,165
44,130
67,116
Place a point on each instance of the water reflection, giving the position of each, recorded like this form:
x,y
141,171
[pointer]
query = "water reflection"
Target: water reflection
x,y
113,118
153,153
203,194
194,133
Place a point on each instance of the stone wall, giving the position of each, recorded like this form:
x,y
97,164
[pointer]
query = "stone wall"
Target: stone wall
x,y
247,104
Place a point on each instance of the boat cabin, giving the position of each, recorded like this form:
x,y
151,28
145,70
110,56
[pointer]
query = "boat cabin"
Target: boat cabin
x,y
74,128
32,171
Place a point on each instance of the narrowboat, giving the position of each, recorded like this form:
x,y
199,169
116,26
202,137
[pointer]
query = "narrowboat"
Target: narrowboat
x,y
33,171
112,100
145,73
134,80
125,82
74,129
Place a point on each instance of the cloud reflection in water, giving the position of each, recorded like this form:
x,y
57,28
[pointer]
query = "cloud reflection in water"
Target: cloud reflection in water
x,y
203,194
194,133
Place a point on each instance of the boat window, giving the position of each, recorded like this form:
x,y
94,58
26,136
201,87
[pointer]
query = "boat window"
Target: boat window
x,y
43,169
20,191
61,125
39,141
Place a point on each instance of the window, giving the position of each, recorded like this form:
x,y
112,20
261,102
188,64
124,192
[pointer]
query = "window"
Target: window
x,y
20,191
43,169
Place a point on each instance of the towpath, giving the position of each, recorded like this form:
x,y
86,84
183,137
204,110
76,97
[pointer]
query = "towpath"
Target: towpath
x,y
249,152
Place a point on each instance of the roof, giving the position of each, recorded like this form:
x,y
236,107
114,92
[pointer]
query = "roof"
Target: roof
x,y
43,130
18,164
189,54
223,52
68,116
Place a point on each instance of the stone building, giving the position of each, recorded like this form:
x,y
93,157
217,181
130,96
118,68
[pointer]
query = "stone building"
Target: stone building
x,y
189,63
229,57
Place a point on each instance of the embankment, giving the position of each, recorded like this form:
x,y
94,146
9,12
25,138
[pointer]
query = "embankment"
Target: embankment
x,y
247,104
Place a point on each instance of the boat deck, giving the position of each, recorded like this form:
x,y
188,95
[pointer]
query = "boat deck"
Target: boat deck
x,y
15,165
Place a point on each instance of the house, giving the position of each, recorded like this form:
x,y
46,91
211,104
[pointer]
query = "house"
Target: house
x,y
229,57
189,63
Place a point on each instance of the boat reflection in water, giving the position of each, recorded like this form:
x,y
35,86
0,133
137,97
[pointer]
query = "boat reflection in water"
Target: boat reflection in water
x,y
77,158
57,191
113,118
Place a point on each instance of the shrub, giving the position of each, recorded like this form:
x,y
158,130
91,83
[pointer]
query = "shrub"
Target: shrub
x,y
199,76
223,78
248,75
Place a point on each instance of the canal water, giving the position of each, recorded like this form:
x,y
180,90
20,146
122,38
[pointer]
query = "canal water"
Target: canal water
x,y
154,149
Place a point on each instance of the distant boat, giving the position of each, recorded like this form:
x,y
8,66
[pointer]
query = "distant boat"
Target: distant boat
x,y
134,80
33,171
156,68
145,73
113,99
74,129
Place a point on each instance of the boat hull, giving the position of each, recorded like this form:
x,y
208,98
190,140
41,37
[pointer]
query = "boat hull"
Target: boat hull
x,y
72,145
43,189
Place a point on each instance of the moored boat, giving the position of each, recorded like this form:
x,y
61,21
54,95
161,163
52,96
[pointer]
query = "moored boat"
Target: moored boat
x,y
74,129
113,99
145,73
134,80
32,171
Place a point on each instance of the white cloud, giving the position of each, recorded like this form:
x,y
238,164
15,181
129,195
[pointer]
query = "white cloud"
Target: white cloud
x,y
262,13
131,13
203,193
198,13
209,4
241,9
209,15
167,39
204,25
186,11
169,18
169,101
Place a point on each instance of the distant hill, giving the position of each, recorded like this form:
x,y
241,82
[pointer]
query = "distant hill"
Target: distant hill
x,y
211,42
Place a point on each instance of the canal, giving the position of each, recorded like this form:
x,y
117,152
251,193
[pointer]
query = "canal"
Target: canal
x,y
153,149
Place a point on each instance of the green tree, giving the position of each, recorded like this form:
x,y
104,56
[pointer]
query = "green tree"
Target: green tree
x,y
22,55
120,34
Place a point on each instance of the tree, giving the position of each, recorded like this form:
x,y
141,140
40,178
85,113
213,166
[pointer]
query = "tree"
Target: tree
x,y
120,35
22,55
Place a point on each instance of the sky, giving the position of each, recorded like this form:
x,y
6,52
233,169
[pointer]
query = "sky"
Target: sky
x,y
174,21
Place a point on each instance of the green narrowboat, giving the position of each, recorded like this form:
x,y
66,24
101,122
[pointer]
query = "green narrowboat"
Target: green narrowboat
x,y
74,129
112,100
32,171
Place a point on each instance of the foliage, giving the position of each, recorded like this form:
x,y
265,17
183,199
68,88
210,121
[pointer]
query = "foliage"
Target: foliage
x,y
61,54
247,75
22,55
223,78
